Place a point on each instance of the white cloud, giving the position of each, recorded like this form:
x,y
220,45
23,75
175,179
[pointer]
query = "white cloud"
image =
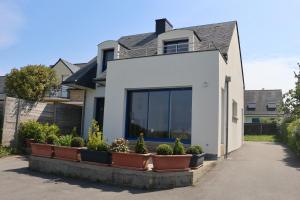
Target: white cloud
x,y
11,22
271,73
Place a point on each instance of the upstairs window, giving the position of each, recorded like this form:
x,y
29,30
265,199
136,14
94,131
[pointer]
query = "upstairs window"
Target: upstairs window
x,y
271,106
177,46
251,106
108,55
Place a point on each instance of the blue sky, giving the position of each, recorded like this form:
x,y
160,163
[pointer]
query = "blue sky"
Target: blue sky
x,y
41,32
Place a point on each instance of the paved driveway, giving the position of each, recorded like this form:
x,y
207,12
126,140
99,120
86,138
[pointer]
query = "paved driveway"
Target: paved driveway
x,y
257,171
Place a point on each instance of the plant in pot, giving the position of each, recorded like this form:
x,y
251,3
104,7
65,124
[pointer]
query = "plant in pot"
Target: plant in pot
x,y
44,144
97,150
68,148
27,131
168,159
197,156
137,160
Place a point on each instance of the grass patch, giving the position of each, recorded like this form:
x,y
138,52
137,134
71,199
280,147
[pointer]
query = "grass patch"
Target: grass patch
x,y
262,138
5,151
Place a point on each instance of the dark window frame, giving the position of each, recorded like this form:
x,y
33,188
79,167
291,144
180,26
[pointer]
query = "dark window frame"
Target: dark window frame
x,y
104,59
127,115
175,43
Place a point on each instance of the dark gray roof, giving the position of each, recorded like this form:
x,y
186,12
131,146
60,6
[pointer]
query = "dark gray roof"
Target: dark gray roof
x,y
2,84
219,34
85,76
72,67
260,100
80,65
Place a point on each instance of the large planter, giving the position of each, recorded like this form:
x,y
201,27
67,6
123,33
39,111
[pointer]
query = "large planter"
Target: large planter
x,y
43,150
99,157
67,153
197,160
130,160
171,163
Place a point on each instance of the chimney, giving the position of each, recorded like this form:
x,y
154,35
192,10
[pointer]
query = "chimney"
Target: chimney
x,y
162,25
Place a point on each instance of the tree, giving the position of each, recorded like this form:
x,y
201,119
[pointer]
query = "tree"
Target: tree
x,y
291,99
30,82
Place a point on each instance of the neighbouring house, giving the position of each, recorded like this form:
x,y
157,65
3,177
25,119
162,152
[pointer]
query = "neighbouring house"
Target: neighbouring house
x,y
171,83
262,105
63,70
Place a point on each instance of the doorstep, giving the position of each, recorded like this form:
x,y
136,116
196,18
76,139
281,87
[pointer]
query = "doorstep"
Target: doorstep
x,y
120,176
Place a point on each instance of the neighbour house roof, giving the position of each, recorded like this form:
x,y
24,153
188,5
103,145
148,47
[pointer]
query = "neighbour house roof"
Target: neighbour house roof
x,y
262,102
218,34
2,84
85,76
72,67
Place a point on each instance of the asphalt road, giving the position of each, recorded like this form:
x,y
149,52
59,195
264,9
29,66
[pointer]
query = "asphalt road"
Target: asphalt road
x,y
257,171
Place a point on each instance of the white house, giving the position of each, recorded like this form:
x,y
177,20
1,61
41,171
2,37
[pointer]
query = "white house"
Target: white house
x,y
185,83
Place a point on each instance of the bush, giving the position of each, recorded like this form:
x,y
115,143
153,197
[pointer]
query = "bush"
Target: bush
x,y
102,147
77,142
29,129
119,145
140,146
194,149
74,132
95,136
52,129
65,140
52,139
293,135
164,149
178,148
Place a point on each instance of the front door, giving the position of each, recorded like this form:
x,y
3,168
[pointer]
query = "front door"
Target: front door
x,y
99,111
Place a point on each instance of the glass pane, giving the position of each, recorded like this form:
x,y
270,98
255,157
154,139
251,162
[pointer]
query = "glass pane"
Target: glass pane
x,y
108,55
181,114
138,108
158,115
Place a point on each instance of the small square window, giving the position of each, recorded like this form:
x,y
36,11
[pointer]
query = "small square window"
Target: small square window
x,y
271,106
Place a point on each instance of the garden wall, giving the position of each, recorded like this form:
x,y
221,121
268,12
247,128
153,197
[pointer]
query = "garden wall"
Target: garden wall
x,y
261,129
17,111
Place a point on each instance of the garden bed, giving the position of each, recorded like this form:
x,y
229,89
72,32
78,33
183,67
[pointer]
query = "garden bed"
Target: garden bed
x,y
119,176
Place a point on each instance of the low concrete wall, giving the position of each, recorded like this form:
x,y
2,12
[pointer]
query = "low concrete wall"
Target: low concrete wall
x,y
119,176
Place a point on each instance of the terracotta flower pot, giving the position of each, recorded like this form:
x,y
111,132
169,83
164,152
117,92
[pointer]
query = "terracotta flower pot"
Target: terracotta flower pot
x,y
28,142
67,153
171,163
43,150
130,160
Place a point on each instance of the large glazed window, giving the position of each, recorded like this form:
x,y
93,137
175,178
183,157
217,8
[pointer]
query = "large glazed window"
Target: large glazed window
x,y
108,55
162,115
177,46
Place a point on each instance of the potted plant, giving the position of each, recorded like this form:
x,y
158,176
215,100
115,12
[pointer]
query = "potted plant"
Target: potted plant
x,y
97,150
137,160
68,148
197,156
44,145
168,159
27,132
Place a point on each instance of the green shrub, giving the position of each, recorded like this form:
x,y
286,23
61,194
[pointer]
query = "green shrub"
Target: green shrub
x,y
52,129
140,146
77,142
52,139
194,149
102,147
291,134
29,129
95,136
164,149
74,132
65,140
119,145
178,148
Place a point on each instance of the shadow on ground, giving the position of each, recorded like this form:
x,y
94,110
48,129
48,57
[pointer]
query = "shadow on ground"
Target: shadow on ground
x,y
50,178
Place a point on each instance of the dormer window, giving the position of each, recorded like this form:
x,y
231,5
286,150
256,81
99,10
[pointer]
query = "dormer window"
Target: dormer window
x,y
251,106
108,55
177,46
271,106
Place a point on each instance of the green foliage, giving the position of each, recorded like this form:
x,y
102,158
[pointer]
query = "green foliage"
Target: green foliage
x,y
40,137
65,140
164,149
5,151
95,136
52,129
194,149
178,148
140,146
30,82
52,139
119,145
29,129
293,135
74,132
77,142
102,147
